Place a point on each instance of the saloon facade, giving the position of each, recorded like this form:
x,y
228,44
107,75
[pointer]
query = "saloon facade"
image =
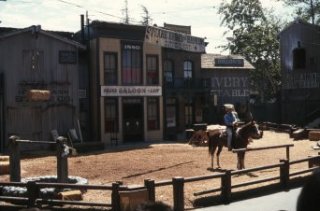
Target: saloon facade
x,y
127,78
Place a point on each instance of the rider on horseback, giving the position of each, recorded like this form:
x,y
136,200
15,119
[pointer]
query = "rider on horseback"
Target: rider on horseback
x,y
231,120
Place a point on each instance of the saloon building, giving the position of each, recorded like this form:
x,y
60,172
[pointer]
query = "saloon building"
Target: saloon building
x,y
129,65
300,71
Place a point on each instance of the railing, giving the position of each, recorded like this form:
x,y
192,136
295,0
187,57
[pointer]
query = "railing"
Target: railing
x,y
182,83
177,184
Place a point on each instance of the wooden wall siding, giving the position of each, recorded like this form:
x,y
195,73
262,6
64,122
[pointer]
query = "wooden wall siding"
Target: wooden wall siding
x,y
29,118
300,87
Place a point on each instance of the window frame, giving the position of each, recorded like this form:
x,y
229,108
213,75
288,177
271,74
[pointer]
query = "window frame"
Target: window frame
x,y
114,117
154,79
115,68
131,63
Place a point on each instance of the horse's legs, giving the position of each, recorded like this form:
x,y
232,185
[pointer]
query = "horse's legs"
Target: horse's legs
x,y
218,155
213,149
243,167
238,162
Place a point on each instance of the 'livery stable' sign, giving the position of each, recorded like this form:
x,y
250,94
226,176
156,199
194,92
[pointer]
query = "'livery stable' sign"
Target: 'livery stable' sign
x,y
113,91
175,40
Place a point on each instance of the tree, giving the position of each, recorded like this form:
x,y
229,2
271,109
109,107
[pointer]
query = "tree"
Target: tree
x,y
254,36
125,11
146,18
306,9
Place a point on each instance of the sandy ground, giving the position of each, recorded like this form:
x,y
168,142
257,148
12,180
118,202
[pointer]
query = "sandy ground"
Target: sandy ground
x,y
162,161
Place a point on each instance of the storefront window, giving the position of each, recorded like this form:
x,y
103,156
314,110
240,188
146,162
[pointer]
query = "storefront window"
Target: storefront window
x,y
171,118
152,70
110,68
153,114
111,115
131,64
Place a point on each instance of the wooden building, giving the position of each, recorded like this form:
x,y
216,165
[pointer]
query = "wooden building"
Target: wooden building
x,y
300,72
227,79
128,64
39,84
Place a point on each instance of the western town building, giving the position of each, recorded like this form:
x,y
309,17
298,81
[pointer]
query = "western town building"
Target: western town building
x,y
39,84
125,83
129,65
300,71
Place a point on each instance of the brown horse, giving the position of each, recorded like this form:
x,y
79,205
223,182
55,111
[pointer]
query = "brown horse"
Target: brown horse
x,y
241,139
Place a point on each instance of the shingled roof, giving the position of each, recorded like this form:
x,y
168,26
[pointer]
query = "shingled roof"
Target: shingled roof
x,y
211,61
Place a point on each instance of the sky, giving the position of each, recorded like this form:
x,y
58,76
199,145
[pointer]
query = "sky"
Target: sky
x,y
64,15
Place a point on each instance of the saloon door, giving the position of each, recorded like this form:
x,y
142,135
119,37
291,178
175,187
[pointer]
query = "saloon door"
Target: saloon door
x,y
133,120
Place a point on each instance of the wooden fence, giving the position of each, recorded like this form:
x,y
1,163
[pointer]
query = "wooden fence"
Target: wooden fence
x,y
177,183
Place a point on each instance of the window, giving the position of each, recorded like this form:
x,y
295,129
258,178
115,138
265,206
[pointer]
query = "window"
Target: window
x,y
299,58
111,115
187,70
168,71
110,68
131,64
171,113
152,70
153,113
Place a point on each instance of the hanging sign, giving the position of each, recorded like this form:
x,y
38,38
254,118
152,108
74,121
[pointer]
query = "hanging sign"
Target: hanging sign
x,y
171,39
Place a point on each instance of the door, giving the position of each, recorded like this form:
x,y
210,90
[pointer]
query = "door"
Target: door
x,y
133,120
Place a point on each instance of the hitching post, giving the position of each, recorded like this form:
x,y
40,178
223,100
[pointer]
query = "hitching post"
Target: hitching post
x,y
62,160
14,158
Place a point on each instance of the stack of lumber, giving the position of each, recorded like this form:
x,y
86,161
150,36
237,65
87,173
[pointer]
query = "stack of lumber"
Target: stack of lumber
x,y
4,165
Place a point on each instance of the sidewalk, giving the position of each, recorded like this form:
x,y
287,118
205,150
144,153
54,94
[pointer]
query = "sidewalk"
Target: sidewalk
x,y
281,201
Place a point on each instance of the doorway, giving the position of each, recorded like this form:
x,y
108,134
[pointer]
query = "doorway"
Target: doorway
x,y
133,120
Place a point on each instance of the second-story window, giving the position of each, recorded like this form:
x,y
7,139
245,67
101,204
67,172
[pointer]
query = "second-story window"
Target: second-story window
x,y
168,71
131,64
152,70
187,70
110,68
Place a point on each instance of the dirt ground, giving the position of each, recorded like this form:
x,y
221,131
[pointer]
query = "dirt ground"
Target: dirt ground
x,y
165,160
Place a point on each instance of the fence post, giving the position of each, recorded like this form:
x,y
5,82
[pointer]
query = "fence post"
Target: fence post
x,y
115,197
33,193
288,152
14,158
226,187
178,193
62,160
150,185
284,173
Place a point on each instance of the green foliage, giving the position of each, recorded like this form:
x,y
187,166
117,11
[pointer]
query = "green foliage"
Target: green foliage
x,y
306,9
254,36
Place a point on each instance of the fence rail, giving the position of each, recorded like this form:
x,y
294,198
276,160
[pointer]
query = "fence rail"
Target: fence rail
x,y
177,183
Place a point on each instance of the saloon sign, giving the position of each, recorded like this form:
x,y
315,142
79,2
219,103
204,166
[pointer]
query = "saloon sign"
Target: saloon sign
x,y
175,40
112,91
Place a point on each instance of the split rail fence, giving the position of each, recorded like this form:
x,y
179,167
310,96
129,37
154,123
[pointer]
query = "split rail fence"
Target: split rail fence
x,y
33,198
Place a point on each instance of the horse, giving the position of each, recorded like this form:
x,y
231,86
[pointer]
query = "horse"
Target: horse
x,y
240,139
